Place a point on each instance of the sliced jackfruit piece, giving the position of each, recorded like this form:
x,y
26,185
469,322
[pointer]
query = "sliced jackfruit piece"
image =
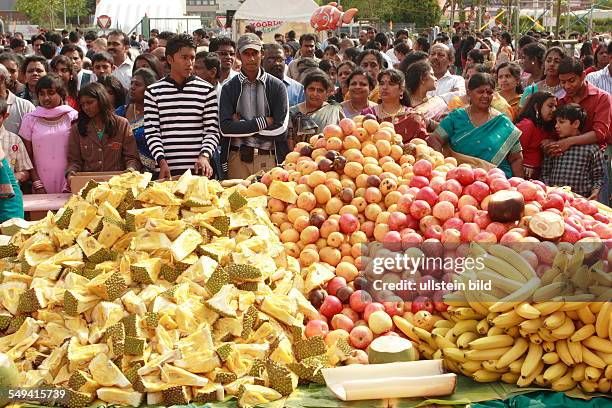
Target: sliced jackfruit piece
x,y
31,300
92,249
146,271
281,378
136,219
82,381
200,363
317,275
157,195
107,211
106,373
112,231
200,271
182,184
284,191
119,397
236,201
224,301
148,241
108,285
176,395
76,302
178,376
282,308
244,273
172,229
209,393
310,347
79,353
185,244
250,395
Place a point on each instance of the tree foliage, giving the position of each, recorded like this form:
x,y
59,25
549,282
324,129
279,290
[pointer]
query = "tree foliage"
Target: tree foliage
x,y
50,13
423,13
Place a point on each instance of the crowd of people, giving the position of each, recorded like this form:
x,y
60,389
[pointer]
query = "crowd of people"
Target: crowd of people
x,y
229,109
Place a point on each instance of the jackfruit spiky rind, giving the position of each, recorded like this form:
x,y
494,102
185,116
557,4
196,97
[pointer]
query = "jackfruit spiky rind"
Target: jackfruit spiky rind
x,y
236,201
8,250
64,220
246,391
169,273
176,395
220,302
146,272
151,320
249,319
209,393
5,320
90,273
131,323
244,273
131,373
258,368
75,399
222,225
280,378
114,287
196,202
25,267
224,351
217,280
15,324
127,203
134,346
248,286
91,184
116,333
310,347
77,380
225,377
28,302
309,369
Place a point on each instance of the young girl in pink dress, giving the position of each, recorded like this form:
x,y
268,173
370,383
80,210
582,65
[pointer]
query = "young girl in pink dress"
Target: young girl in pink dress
x,y
45,133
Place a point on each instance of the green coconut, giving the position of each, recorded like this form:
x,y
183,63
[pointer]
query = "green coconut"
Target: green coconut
x,y
390,349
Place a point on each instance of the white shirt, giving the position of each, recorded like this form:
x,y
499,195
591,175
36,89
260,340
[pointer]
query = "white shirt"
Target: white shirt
x,y
388,59
124,72
232,74
602,79
391,54
93,76
494,45
448,83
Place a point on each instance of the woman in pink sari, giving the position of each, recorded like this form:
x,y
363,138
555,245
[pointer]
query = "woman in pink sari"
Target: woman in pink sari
x,y
45,133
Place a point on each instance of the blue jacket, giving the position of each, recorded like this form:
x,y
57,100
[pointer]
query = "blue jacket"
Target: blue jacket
x,y
277,106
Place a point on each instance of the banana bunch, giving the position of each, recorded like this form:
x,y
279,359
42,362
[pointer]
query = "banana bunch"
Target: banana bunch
x,y
551,330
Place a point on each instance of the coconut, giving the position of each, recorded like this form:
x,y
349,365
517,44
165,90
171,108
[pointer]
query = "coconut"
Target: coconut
x,y
390,349
506,206
547,226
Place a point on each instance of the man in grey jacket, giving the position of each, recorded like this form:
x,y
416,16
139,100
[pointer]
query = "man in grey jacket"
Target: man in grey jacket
x,y
253,115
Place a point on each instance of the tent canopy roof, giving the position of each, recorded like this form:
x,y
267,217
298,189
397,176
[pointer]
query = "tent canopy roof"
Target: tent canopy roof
x,y
278,10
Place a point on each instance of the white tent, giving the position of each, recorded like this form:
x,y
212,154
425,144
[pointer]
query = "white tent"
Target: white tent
x,y
126,14
271,16
298,11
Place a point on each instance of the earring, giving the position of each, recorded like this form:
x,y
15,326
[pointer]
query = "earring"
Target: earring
x,y
537,115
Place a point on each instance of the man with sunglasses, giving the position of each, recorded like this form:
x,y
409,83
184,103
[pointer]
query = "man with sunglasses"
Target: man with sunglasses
x,y
226,50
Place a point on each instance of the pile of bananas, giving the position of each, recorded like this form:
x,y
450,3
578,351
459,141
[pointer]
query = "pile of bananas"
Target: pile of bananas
x,y
552,330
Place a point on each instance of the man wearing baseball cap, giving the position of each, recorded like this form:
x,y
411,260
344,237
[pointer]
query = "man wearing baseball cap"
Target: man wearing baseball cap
x,y
253,115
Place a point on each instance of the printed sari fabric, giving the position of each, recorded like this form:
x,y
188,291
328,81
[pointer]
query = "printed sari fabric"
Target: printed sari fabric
x,y
491,142
498,103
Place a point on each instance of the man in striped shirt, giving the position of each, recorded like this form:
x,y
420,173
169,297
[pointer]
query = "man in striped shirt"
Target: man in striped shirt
x,y
181,114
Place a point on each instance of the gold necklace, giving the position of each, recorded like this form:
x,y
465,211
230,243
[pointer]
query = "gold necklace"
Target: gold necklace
x,y
353,109
392,115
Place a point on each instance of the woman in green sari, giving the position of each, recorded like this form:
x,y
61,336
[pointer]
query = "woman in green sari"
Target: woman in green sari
x,y
311,116
480,135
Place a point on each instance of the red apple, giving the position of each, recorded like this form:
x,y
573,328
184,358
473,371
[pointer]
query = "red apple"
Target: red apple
x,y
348,223
485,237
451,238
453,186
410,238
316,328
371,308
422,168
437,184
467,200
468,212
434,231
397,221
350,313
499,183
553,201
420,209
479,190
465,175
331,306
404,203
497,228
392,240
419,181
449,196
453,223
334,284
427,221
361,337
422,303
469,231
482,219
359,300
444,210
588,234
427,194
515,181
438,301
394,307
480,174
343,322
511,237
380,322
528,189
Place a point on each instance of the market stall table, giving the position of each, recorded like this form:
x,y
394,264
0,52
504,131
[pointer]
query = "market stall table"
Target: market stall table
x,y
36,206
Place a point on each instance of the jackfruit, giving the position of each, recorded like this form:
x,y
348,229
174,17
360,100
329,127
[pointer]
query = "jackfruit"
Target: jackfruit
x,y
310,347
250,395
31,300
309,369
111,231
8,250
133,303
115,396
224,301
106,314
106,373
158,196
177,395
135,346
78,353
282,308
283,190
91,184
200,363
185,244
283,353
178,376
182,184
109,213
220,226
281,378
114,336
209,393
224,377
217,280
317,275
172,229
108,286
146,271
92,249
236,201
76,399
135,219
76,302
244,273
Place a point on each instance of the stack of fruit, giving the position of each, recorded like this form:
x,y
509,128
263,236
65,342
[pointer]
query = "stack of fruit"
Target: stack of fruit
x,y
158,293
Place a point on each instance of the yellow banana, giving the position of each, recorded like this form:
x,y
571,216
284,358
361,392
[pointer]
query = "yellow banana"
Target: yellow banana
x,y
513,258
476,301
471,366
482,327
491,316
502,267
578,372
490,354
575,349
507,319
565,330
464,326
603,320
515,366
564,383
549,291
547,308
588,386
555,371
425,336
451,365
560,261
498,281
535,338
512,331
599,344
608,372
521,295
550,358
406,327
441,341
548,346
533,357
486,343
591,358
495,331
454,354
437,355
539,380
583,333
585,315
444,324
491,365
456,298
572,314
516,352
564,353
595,307
464,340
592,373
510,378
546,335
605,357
467,313
526,311
575,302
549,275
526,381
554,320
603,385
440,331
531,326
485,376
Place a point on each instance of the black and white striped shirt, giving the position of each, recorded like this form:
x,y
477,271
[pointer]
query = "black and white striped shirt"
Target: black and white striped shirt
x,y
181,122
